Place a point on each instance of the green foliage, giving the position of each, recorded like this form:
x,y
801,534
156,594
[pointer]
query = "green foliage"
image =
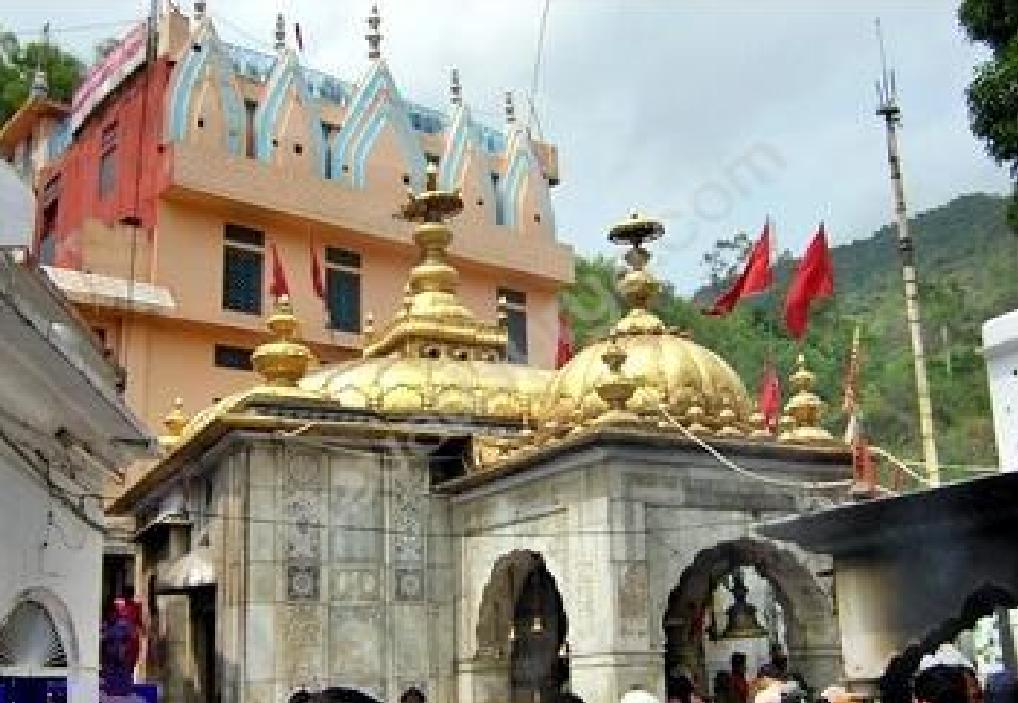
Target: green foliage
x,y
993,93
18,63
968,264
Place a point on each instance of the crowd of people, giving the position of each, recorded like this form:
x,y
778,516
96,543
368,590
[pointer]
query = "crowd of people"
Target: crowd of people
x,y
943,677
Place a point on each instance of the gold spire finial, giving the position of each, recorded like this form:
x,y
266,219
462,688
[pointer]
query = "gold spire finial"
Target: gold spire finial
x,y
374,37
284,360
805,407
433,322
637,286
455,89
174,422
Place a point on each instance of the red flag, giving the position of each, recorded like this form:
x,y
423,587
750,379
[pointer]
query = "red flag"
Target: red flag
x,y
770,396
814,278
279,285
316,273
300,39
566,348
755,278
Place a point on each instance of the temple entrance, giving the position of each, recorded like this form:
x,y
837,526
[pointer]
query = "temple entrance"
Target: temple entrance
x,y
749,596
523,624
202,609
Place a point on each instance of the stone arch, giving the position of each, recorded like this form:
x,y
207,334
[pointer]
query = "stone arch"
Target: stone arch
x,y
58,615
812,631
894,685
501,592
521,629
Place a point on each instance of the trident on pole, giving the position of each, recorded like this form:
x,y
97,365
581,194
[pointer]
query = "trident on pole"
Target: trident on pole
x,y
887,107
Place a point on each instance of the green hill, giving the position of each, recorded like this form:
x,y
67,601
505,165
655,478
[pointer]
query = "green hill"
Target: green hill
x,y
968,267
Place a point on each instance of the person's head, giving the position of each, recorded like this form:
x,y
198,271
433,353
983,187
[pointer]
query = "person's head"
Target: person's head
x,y
738,662
779,660
683,688
412,695
569,697
941,684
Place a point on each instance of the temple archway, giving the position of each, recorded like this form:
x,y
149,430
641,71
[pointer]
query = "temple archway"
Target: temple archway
x,y
810,625
523,627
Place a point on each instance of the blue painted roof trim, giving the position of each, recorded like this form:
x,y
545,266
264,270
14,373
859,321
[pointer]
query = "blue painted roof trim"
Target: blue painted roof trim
x,y
189,73
370,111
286,74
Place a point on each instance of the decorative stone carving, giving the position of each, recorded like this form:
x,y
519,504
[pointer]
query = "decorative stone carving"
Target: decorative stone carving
x,y
409,584
354,584
356,637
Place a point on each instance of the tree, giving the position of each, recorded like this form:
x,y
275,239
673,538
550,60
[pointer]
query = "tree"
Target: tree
x,y
18,63
993,93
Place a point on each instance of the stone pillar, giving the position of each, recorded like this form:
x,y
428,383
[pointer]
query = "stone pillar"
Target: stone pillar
x,y
867,594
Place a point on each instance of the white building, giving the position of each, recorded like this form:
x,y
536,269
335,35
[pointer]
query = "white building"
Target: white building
x,y
63,428
1000,348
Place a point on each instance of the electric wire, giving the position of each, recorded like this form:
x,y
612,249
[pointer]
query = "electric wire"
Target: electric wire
x,y
729,464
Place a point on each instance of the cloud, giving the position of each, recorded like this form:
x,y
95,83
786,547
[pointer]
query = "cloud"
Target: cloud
x,y
650,100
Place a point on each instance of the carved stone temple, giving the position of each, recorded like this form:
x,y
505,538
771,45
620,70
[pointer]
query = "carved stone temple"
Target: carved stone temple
x,y
432,516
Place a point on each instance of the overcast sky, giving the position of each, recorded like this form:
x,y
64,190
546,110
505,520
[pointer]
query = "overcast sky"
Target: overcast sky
x,y
654,104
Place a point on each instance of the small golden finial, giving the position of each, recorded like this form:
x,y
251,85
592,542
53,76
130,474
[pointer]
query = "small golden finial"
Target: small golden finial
x,y
284,360
175,421
616,389
728,419
374,37
805,408
455,89
758,425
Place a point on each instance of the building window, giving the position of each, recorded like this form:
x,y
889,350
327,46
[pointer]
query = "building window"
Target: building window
x,y
48,238
516,319
432,159
243,252
343,289
499,206
328,131
108,160
250,106
228,357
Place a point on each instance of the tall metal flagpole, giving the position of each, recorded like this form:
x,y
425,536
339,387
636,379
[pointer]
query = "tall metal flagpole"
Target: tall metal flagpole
x,y
887,97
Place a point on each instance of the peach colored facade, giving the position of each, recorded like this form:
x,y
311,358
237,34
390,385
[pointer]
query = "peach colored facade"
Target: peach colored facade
x,y
157,296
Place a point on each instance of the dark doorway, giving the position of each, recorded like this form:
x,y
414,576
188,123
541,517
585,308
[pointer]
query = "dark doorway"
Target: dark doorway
x,y
202,602
537,657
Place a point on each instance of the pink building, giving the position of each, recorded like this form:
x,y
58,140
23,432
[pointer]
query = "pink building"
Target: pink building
x,y
167,185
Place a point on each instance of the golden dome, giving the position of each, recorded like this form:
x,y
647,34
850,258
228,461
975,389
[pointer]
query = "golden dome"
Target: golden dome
x,y
665,366
440,386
